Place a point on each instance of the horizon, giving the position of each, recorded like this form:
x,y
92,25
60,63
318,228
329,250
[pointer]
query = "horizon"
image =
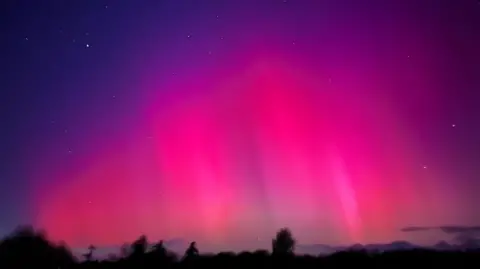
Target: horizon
x,y
22,249
179,245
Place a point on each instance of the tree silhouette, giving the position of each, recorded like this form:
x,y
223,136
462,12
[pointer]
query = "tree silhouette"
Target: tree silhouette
x,y
192,251
284,243
28,248
159,249
139,247
88,256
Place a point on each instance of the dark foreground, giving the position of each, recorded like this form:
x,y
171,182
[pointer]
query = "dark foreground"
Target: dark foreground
x,y
27,248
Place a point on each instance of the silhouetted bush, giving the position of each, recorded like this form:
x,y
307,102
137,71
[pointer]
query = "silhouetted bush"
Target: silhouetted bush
x,y
139,247
284,243
26,248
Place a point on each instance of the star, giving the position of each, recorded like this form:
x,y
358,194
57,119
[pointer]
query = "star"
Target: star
x,y
424,167
453,125
87,45
188,36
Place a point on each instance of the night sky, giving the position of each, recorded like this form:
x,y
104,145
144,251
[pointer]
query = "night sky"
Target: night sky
x,y
224,120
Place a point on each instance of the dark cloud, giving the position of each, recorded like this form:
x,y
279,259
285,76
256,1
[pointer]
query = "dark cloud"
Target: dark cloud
x,y
415,229
445,229
468,235
459,229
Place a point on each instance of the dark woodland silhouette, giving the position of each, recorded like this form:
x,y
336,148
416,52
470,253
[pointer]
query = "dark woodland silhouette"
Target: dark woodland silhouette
x,y
28,248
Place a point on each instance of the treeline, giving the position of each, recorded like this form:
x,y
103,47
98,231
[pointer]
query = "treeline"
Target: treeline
x,y
28,248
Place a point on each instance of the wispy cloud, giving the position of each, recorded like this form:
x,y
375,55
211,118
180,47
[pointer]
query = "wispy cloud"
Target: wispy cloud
x,y
459,229
415,229
445,229
462,234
